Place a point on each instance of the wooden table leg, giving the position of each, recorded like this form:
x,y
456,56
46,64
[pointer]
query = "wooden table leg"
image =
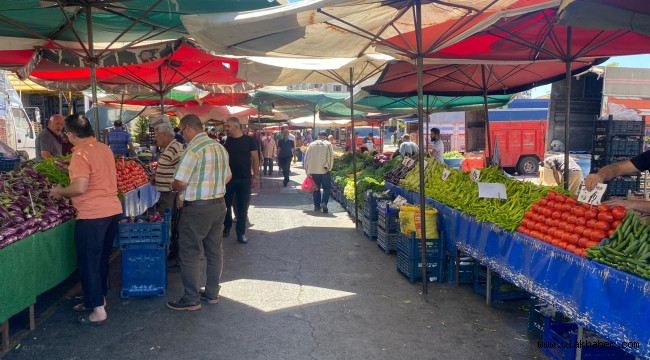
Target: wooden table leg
x,y
4,329
32,322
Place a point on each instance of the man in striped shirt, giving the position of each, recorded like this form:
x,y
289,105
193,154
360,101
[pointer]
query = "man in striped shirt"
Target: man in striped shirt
x,y
171,151
200,177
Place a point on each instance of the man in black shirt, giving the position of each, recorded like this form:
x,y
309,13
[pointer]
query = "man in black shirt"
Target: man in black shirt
x,y
244,161
286,151
627,167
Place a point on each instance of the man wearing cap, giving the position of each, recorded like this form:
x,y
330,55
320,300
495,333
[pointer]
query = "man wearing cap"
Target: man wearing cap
x,y
319,160
119,140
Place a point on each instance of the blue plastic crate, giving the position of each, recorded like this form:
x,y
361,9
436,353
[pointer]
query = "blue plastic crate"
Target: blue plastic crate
x,y
369,228
465,270
385,240
412,269
502,290
537,316
145,232
144,270
410,246
560,340
388,219
8,164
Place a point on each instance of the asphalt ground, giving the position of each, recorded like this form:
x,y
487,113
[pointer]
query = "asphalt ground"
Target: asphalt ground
x,y
307,286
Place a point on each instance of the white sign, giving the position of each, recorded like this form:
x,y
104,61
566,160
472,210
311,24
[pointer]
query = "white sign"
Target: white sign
x,y
426,163
594,196
405,161
399,201
445,174
492,190
475,174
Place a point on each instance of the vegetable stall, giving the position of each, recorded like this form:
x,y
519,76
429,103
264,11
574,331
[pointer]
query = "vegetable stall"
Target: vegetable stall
x,y
37,250
590,262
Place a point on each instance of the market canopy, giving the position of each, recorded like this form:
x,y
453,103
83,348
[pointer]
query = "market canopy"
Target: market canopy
x,y
632,15
299,103
219,113
400,78
406,105
349,29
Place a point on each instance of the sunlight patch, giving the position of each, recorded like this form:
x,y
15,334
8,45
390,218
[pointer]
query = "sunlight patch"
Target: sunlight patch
x,y
270,296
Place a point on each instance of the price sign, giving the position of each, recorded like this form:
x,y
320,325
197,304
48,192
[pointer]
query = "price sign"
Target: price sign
x,y
426,163
594,196
475,174
445,174
492,190
405,161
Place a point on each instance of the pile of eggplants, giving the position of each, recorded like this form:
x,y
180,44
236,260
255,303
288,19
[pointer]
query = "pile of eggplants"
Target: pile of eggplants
x,y
22,215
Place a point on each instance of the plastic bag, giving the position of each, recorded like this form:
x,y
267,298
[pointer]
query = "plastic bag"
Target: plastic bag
x,y
309,185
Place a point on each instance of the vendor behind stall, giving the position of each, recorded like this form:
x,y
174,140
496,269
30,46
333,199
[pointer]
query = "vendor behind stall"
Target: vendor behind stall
x,y
552,172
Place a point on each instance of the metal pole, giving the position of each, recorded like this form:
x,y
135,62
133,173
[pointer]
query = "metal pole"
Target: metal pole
x,y
420,65
428,126
259,126
313,131
160,91
121,105
353,143
567,114
93,68
488,138
60,103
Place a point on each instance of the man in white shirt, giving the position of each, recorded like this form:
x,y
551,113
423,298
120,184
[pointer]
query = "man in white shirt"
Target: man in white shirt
x,y
438,147
319,160
268,152
407,147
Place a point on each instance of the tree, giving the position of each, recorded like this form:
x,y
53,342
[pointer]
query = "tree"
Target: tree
x,y
140,131
613,64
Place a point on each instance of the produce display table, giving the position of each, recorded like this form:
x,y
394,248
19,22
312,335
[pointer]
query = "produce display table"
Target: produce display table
x,y
138,200
32,266
613,303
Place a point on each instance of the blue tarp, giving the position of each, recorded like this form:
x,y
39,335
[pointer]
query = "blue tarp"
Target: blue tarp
x,y
138,200
613,303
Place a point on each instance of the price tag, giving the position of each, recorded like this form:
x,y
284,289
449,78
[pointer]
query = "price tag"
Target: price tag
x,y
445,174
594,196
475,174
492,190
426,163
405,161
399,201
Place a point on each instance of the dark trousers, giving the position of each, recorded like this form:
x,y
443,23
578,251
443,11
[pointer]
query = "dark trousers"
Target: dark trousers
x,y
323,181
285,166
268,164
168,201
201,228
240,190
94,240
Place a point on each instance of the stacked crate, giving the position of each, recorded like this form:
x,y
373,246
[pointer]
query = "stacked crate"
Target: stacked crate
x,y
143,248
370,215
466,265
387,226
501,289
615,141
409,259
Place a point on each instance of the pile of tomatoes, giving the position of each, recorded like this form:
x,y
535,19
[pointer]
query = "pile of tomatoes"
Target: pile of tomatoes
x,y
130,175
563,222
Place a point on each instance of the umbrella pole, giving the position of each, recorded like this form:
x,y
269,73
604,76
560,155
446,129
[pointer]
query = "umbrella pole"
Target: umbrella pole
x,y
313,132
121,106
488,138
428,125
161,92
60,103
353,144
93,68
567,114
420,65
259,126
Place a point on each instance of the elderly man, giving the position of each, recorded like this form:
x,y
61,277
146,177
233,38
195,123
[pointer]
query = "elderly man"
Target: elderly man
x,y
119,140
244,161
319,159
201,178
268,152
171,152
48,141
407,147
93,190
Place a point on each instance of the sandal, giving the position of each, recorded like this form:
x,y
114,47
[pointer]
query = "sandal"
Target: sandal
x,y
85,320
81,307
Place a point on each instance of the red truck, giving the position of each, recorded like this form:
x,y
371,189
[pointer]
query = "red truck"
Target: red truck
x,y
520,131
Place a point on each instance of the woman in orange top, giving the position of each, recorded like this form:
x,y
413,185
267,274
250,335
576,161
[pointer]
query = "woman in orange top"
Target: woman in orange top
x,y
93,190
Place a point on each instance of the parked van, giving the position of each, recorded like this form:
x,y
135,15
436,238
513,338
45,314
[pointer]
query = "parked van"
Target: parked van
x,y
16,128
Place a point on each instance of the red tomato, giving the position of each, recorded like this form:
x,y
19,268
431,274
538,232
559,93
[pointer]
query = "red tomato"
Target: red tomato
x,y
543,202
571,248
610,232
548,221
571,200
591,223
551,204
555,242
548,212
539,227
535,208
581,221
556,223
521,229
574,238
591,214
552,230
562,224
579,229
558,233
565,215
619,212
563,244
616,223
558,206
579,212
606,216
592,243
602,225
587,232
529,214
586,206
556,214
583,241
602,207
548,238
531,224
560,198
570,228
566,207
551,195
566,237
571,219
597,235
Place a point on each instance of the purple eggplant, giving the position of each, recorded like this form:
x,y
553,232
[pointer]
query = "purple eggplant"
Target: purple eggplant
x,y
7,232
17,219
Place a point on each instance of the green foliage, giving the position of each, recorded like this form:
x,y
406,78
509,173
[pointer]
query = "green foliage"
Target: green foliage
x,y
140,132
